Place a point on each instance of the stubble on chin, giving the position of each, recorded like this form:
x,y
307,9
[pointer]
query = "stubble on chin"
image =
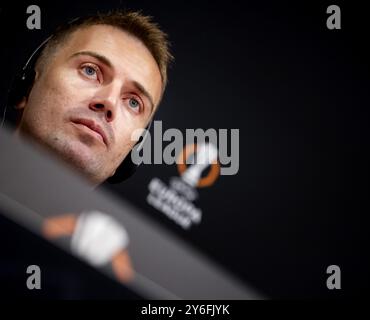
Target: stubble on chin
x,y
77,155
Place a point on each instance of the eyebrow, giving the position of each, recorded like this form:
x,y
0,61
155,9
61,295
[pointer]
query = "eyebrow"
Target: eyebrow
x,y
94,55
107,62
143,91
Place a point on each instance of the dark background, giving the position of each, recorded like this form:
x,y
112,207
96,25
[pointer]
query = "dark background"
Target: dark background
x,y
297,91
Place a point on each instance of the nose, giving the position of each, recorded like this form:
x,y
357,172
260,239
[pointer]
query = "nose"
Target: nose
x,y
105,101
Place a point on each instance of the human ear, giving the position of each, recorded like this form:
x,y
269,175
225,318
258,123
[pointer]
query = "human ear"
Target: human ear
x,y
21,104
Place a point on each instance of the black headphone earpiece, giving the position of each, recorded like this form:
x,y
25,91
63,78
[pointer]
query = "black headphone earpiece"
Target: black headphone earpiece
x,y
21,87
22,82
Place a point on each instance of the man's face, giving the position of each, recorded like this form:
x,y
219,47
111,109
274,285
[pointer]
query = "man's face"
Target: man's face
x,y
100,86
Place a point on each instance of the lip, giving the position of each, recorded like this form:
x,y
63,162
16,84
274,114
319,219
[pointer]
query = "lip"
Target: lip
x,y
92,126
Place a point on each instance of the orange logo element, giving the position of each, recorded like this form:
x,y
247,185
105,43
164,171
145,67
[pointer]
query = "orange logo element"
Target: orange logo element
x,y
65,225
213,173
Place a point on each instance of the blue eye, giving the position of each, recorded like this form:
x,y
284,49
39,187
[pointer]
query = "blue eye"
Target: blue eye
x,y
90,71
134,103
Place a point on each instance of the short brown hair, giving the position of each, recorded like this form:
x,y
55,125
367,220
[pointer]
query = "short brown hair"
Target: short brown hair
x,y
133,22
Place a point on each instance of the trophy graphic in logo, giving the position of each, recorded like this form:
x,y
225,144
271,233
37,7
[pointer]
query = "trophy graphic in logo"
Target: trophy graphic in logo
x,y
96,237
176,200
206,154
